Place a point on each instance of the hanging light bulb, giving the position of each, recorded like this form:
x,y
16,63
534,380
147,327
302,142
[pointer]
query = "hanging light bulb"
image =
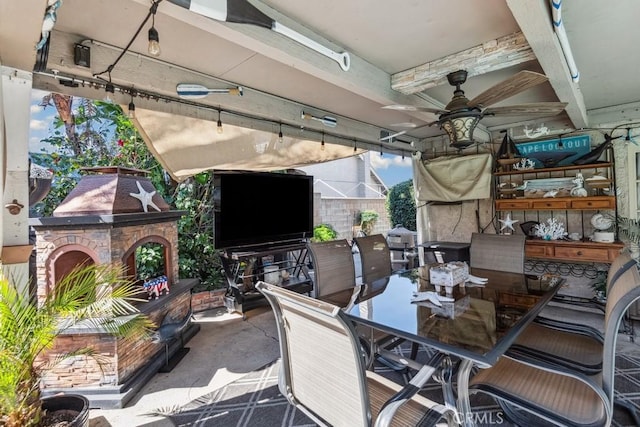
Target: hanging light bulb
x,y
219,124
132,109
110,90
322,142
355,147
280,134
154,38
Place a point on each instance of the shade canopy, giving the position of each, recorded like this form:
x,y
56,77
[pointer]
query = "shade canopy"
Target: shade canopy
x,y
186,146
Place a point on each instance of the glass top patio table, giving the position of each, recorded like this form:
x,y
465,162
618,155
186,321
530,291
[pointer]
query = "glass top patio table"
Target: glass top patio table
x,y
479,325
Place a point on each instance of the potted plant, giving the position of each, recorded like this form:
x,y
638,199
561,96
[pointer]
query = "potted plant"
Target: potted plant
x,y
97,295
324,233
367,220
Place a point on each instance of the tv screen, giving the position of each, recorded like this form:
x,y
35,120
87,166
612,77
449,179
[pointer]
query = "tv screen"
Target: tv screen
x,y
255,208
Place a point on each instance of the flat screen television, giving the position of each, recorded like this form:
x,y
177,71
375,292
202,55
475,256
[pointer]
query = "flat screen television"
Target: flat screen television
x,y
257,208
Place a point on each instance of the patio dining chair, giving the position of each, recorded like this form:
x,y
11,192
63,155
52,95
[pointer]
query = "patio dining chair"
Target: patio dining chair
x,y
497,252
554,393
575,346
375,257
334,272
323,370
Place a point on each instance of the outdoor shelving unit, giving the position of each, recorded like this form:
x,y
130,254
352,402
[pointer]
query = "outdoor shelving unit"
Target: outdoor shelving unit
x,y
244,267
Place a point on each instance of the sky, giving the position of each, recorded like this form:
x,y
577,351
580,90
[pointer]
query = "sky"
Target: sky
x,y
41,122
390,168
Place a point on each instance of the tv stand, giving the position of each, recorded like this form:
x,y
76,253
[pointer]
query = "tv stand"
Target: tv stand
x,y
283,264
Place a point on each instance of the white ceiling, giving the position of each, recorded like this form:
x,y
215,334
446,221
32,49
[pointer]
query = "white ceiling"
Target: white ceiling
x,y
281,77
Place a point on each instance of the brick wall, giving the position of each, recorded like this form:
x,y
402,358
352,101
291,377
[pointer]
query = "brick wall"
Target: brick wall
x,y
342,214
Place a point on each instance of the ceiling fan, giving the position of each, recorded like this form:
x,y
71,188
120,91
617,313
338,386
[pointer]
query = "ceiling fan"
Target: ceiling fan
x,y
461,115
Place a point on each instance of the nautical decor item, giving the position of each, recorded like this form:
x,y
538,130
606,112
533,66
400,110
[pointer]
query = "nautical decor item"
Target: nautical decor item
x,y
578,190
602,224
547,187
551,230
593,155
524,164
508,223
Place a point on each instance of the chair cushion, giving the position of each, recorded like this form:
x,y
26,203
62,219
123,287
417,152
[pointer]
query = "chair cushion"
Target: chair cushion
x,y
542,391
567,348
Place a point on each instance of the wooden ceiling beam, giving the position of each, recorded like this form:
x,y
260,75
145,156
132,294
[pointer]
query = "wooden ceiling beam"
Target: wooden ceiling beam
x,y
534,19
490,56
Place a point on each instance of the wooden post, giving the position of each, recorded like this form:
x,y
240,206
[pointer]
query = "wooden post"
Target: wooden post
x,y
15,99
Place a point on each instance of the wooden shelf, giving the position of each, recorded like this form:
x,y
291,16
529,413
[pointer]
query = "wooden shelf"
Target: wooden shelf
x,y
556,169
557,203
565,250
562,250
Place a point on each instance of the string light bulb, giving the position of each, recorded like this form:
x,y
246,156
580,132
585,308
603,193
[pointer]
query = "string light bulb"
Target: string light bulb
x,y
154,38
132,109
110,90
280,139
219,125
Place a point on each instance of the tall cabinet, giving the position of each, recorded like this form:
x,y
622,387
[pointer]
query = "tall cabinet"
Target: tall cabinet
x,y
547,194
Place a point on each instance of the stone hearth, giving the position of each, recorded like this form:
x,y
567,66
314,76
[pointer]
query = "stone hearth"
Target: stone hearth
x,y
111,213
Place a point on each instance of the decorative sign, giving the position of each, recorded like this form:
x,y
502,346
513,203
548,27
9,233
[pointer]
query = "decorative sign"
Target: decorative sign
x,y
550,153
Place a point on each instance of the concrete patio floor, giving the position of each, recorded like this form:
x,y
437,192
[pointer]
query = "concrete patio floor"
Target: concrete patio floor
x,y
225,349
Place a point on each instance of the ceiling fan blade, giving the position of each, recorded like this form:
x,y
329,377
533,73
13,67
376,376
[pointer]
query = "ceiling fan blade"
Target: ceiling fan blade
x,y
534,108
508,88
400,107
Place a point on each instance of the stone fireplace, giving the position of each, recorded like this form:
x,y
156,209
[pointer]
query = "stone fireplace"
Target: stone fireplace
x,y
111,213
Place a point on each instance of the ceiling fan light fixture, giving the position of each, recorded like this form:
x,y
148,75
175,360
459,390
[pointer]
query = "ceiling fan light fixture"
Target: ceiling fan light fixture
x,y
460,126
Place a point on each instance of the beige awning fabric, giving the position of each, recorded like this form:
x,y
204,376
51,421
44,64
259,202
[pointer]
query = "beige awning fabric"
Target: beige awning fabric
x,y
186,146
452,178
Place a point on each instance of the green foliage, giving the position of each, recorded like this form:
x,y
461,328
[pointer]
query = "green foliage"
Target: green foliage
x,y
401,205
99,295
149,261
324,233
198,255
629,229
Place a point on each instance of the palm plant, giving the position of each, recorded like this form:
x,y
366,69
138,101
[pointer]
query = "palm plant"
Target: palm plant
x,y
98,295
629,228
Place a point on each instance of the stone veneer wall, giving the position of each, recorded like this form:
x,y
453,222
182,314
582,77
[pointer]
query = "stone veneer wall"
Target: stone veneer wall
x,y
120,358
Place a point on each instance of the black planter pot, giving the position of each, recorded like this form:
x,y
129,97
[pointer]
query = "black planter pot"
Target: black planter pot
x,y
69,402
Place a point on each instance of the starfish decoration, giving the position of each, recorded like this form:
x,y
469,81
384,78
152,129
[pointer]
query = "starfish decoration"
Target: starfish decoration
x,y
508,223
145,197
433,297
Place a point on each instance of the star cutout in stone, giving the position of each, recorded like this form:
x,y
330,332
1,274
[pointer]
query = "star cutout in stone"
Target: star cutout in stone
x,y
508,223
145,197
